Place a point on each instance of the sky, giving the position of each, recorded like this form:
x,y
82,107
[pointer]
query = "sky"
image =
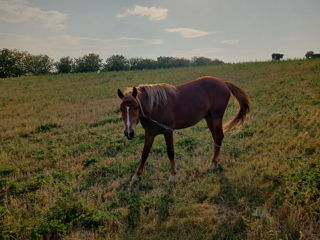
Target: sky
x,y
229,30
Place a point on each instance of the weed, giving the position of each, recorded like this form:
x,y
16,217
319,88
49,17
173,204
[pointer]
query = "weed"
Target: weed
x,y
7,171
134,208
188,144
163,204
46,127
80,148
247,132
232,229
90,161
301,186
158,149
98,174
105,121
65,214
114,120
99,123
113,148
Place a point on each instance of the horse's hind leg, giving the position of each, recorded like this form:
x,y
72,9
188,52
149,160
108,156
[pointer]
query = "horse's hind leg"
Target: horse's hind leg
x,y
215,126
170,151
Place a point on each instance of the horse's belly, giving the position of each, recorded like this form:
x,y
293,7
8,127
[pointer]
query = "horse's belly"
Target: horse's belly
x,y
184,125
188,120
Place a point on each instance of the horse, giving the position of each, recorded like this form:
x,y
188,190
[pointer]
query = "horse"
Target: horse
x,y
162,108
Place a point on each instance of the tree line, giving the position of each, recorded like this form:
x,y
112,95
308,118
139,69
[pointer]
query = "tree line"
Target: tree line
x,y
14,63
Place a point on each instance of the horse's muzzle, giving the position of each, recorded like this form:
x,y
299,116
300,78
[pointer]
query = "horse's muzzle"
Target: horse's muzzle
x,y
129,135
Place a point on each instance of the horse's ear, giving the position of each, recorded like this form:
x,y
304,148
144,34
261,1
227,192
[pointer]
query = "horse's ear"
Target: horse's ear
x,y
120,94
134,92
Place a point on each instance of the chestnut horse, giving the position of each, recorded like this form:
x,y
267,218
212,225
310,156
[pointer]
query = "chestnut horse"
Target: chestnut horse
x,y
180,107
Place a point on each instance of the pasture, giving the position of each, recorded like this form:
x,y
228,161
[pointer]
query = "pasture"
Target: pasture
x,y
65,164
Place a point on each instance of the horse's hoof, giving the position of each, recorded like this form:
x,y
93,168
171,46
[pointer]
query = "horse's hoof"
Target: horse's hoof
x,y
172,178
134,179
216,167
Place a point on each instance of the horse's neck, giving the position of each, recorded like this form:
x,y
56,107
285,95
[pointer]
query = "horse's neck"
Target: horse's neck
x,y
147,110
144,104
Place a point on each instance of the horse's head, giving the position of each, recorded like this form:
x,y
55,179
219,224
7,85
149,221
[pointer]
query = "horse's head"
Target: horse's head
x,y
130,111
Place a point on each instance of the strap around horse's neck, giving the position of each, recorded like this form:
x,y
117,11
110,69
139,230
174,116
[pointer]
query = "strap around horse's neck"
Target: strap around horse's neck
x,y
154,122
140,106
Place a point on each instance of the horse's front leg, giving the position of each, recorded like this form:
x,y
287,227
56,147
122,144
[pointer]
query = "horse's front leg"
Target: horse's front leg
x,y
148,141
170,151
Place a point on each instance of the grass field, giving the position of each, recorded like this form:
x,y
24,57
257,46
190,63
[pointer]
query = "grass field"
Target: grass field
x,y
65,165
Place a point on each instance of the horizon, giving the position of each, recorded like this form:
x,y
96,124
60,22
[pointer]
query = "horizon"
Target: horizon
x,y
250,31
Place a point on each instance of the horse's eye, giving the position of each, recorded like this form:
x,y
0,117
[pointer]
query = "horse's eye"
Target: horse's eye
x,y
135,108
121,109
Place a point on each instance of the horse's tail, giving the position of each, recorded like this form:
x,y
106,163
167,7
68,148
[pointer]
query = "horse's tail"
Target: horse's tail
x,y
243,99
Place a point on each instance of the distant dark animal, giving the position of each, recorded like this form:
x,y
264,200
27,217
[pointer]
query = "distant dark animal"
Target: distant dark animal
x,y
277,56
177,107
311,54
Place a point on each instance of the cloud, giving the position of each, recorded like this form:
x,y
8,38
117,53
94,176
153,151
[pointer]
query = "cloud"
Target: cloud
x,y
67,45
154,42
188,32
230,42
203,52
153,13
19,11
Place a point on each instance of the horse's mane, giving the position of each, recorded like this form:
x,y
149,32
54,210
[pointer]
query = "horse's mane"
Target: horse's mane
x,y
157,94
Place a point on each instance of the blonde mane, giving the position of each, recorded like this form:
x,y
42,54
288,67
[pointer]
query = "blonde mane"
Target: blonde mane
x,y
157,93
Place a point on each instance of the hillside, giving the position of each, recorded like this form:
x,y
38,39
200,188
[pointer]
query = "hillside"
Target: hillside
x,y
65,165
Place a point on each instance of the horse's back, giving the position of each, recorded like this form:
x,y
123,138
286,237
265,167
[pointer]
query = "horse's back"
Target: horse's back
x,y
206,86
204,82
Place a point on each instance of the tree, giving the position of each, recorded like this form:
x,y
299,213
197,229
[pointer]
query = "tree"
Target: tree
x,y
88,63
12,63
169,62
64,65
38,64
116,63
201,61
164,62
142,63
180,62
216,62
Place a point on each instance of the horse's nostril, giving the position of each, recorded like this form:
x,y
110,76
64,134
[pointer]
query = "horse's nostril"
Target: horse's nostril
x,y
131,135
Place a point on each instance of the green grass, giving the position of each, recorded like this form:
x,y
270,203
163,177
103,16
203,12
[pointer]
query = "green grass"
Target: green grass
x,y
65,165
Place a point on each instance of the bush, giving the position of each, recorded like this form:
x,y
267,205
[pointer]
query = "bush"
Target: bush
x,y
12,63
116,63
65,65
88,63
201,61
38,64
170,62
216,62
142,63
